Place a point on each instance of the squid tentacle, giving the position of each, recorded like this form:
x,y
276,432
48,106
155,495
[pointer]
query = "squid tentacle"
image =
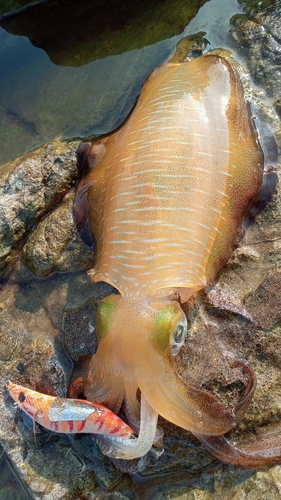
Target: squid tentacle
x,y
135,425
133,447
197,410
264,451
246,395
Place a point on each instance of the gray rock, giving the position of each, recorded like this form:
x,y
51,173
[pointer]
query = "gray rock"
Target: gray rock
x,y
79,330
30,187
55,245
258,36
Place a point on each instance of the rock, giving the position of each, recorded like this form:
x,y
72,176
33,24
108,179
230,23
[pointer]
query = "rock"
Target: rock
x,y
266,296
258,37
32,306
33,353
78,330
189,47
55,245
30,187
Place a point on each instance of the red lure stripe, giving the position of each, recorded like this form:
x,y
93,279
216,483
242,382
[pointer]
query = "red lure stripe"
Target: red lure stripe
x,y
114,430
80,424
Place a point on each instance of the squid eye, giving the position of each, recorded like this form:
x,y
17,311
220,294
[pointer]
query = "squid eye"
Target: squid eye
x,y
179,336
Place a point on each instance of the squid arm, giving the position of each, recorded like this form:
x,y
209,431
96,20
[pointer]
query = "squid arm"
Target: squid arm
x,y
129,449
196,410
263,451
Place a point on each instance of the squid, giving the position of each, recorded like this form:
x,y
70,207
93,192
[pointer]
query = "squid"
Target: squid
x,y
164,197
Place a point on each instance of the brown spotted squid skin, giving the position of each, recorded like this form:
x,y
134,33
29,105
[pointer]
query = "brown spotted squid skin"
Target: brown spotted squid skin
x,y
165,196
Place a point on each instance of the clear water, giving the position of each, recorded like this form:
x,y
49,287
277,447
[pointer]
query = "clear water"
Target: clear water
x,y
11,488
40,101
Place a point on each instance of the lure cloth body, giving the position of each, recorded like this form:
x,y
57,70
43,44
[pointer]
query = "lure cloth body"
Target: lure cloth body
x,y
68,415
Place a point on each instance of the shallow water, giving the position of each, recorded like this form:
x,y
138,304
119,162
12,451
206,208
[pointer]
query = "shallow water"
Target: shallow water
x,y
11,488
41,101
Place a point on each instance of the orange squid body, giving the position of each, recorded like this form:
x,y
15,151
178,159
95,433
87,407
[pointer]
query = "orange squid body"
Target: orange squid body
x,y
176,180
165,196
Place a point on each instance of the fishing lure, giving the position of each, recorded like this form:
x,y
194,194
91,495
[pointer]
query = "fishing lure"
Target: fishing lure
x,y
68,415
80,416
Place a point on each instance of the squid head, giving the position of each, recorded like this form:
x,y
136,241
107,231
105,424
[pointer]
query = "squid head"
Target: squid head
x,y
137,343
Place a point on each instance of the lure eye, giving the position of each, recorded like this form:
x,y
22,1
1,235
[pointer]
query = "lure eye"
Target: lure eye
x,y
21,397
179,336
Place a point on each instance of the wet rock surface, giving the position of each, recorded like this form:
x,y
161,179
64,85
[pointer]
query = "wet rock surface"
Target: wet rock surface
x,y
55,245
46,324
258,35
34,314
30,187
78,330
